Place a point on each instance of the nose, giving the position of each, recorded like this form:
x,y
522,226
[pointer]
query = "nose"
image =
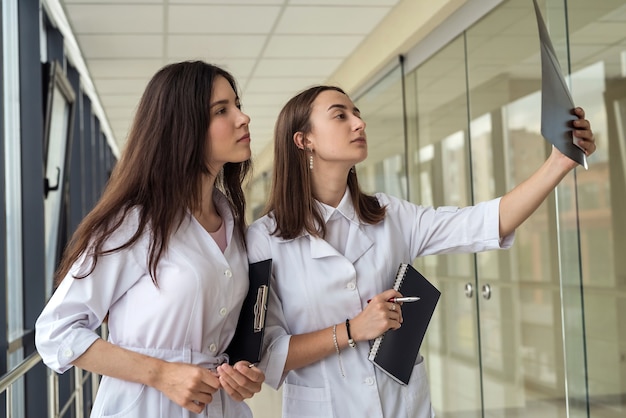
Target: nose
x,y
244,119
359,124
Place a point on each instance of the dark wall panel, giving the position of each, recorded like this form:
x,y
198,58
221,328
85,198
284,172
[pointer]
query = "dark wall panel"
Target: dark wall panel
x,y
32,124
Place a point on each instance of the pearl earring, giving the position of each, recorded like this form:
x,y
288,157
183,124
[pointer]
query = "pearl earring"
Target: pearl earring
x,y
311,161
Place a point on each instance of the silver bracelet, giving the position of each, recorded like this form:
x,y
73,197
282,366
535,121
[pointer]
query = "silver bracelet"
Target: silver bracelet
x,y
337,350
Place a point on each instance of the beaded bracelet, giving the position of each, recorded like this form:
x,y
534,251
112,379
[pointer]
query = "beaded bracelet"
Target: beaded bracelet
x,y
337,350
351,342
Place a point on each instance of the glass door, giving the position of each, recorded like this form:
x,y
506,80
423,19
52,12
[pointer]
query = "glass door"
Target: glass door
x,y
524,364
439,175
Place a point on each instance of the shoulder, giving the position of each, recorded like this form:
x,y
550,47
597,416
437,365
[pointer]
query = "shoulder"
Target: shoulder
x,y
129,223
264,225
259,238
392,202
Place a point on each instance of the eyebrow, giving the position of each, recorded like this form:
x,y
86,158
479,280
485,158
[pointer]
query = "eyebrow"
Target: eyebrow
x,y
344,107
223,102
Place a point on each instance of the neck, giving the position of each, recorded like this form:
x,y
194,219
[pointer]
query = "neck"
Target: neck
x,y
329,184
207,214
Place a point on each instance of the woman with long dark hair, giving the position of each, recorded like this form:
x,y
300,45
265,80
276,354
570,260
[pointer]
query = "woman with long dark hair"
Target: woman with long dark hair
x,y
162,258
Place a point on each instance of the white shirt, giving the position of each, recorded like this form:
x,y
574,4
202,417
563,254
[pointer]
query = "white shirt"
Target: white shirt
x,y
190,317
315,286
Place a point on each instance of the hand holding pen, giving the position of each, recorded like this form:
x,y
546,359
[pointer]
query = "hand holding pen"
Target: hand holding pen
x,y
401,299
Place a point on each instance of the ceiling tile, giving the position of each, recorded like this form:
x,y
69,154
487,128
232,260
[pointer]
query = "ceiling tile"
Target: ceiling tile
x,y
123,68
116,86
265,99
216,46
221,19
240,68
112,1
280,84
230,2
117,18
121,46
351,3
321,67
124,113
125,100
330,20
311,46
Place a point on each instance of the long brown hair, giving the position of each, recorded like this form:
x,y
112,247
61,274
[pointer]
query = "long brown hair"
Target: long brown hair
x,y
161,169
291,200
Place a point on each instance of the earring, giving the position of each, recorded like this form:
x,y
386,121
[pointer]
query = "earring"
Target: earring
x,y
311,161
353,170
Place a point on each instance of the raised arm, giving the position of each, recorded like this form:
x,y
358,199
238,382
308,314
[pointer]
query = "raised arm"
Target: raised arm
x,y
518,204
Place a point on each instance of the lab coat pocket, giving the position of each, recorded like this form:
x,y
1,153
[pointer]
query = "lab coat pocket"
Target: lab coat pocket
x,y
417,393
125,399
302,401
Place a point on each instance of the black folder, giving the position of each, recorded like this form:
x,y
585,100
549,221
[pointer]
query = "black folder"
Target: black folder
x,y
247,342
395,351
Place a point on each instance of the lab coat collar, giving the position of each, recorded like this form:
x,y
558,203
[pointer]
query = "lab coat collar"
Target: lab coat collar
x,y
345,208
358,241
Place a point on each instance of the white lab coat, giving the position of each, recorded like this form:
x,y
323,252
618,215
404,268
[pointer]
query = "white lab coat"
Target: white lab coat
x,y
314,286
190,317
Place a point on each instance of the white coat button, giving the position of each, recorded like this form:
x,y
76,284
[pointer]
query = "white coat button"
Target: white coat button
x,y
212,348
351,286
369,381
228,273
223,311
68,353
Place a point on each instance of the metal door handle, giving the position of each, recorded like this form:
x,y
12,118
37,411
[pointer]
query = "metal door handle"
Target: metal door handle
x,y
469,290
486,291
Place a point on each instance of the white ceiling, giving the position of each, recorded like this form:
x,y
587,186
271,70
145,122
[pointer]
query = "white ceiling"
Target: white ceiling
x,y
274,48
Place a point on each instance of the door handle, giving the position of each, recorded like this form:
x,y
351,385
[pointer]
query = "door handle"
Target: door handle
x,y
486,291
469,290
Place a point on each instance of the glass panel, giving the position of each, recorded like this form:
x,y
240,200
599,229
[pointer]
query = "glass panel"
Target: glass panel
x,y
521,331
439,175
60,99
598,64
381,108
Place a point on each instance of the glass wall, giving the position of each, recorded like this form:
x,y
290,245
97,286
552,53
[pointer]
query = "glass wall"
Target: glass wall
x,y
597,49
534,330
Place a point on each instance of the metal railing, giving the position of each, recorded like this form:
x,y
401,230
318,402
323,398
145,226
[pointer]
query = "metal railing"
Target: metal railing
x,y
76,397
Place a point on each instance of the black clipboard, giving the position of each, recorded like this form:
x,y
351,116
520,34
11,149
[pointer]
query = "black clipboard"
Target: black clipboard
x,y
247,342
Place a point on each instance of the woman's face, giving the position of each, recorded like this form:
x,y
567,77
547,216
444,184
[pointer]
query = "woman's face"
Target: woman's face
x,y
228,136
337,131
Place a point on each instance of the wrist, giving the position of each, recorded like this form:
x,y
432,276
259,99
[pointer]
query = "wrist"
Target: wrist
x,y
351,341
154,372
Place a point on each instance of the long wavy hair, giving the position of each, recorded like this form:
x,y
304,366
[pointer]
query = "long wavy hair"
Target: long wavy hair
x,y
291,202
161,168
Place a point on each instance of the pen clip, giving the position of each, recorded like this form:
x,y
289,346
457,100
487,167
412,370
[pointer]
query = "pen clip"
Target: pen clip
x,y
259,308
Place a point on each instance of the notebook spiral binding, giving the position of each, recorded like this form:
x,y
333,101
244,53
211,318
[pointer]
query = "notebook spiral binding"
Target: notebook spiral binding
x,y
399,278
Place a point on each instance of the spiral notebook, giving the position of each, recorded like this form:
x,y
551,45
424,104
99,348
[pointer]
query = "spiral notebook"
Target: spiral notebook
x,y
395,351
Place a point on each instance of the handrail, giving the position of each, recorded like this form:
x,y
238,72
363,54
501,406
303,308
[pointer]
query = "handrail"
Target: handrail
x,y
18,371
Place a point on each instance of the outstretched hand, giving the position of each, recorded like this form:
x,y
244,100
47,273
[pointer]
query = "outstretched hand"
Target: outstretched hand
x,y
583,137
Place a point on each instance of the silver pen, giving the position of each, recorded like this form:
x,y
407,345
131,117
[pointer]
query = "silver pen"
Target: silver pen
x,y
405,299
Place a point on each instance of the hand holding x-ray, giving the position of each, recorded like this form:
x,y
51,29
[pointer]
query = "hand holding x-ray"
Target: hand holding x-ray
x,y
556,102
